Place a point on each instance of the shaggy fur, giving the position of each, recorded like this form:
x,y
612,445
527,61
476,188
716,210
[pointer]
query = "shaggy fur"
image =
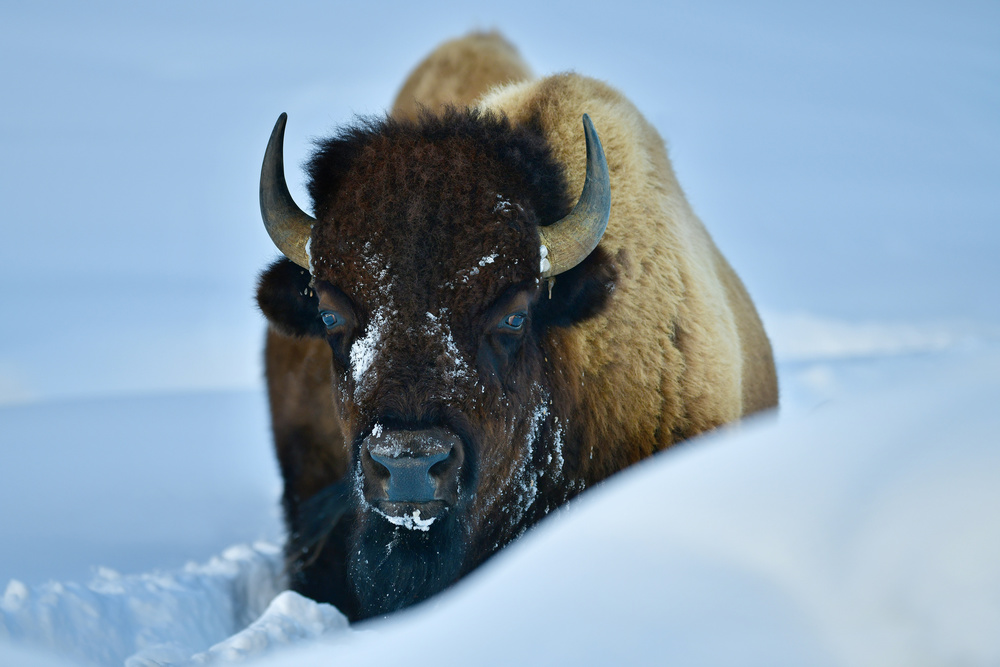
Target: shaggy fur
x,y
682,349
426,238
458,72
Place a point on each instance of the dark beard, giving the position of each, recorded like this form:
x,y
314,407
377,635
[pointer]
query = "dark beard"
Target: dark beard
x,y
392,567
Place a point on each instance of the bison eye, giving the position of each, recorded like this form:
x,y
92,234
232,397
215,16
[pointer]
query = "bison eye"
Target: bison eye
x,y
331,320
513,322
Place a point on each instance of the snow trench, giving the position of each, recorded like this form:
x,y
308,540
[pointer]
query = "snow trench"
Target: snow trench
x,y
221,611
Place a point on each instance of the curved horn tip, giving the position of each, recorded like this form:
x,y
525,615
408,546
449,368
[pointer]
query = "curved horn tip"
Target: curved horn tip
x,y
288,226
569,241
282,120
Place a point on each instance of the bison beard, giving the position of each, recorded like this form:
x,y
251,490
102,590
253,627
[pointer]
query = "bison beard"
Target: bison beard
x,y
364,564
392,567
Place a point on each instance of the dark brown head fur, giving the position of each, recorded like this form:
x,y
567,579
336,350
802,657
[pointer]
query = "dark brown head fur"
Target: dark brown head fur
x,y
426,243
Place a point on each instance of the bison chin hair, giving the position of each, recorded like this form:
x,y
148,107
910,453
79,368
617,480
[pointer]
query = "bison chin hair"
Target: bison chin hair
x,y
392,567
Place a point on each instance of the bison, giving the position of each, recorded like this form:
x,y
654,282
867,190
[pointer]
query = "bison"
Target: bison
x,y
504,298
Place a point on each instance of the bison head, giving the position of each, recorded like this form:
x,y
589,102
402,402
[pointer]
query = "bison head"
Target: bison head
x,y
427,270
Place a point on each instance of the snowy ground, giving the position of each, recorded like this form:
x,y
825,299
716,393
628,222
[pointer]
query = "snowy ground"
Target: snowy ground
x,y
862,531
844,156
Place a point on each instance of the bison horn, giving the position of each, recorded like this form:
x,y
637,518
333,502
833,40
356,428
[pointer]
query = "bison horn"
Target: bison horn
x,y
569,241
287,224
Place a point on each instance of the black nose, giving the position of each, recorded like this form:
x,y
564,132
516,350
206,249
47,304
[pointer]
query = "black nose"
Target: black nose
x,y
410,476
412,466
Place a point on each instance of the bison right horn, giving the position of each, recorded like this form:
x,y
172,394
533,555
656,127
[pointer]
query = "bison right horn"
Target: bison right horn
x,y
288,226
569,241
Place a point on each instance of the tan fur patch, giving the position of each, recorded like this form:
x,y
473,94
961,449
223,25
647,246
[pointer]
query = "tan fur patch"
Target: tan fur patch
x,y
680,350
458,72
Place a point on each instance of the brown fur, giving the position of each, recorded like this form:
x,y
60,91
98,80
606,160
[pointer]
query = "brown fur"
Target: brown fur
x,y
682,349
651,340
458,72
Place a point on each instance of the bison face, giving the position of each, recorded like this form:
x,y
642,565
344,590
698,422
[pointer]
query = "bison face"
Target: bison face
x,y
425,281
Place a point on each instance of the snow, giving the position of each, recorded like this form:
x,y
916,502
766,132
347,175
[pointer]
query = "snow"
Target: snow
x,y
543,264
290,618
858,527
502,205
133,483
364,349
438,330
863,532
801,336
133,619
409,521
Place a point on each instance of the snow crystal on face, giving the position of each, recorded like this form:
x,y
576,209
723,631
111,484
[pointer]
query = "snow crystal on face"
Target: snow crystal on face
x,y
461,368
363,350
376,430
556,453
409,521
465,274
529,487
309,254
440,330
544,265
502,205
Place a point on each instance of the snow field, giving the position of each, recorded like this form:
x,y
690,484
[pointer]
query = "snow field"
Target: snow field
x,y
864,531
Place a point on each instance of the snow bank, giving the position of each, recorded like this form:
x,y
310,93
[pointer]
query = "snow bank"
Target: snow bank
x,y
866,532
803,336
288,619
145,619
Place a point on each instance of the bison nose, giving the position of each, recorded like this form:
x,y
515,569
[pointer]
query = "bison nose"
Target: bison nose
x,y
410,476
412,466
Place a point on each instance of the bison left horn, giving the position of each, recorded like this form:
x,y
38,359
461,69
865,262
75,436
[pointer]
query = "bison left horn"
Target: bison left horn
x,y
569,241
287,224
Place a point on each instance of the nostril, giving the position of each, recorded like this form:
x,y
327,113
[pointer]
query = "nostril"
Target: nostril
x,y
379,470
438,468
442,467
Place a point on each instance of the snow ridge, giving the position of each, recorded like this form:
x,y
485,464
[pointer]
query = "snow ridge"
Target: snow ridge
x,y
146,619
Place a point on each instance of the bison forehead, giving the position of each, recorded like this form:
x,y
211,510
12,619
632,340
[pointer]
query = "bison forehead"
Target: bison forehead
x,y
430,234
449,203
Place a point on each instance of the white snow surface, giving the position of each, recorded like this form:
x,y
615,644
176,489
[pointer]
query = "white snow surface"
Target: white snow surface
x,y
146,619
862,532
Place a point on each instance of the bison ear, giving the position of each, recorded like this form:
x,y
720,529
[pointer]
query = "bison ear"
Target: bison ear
x,y
288,301
580,293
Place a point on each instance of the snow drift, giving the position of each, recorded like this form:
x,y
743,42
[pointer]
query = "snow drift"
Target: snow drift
x,y
866,532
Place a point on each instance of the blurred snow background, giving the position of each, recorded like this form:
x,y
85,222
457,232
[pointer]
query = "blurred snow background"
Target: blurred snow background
x,y
845,157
